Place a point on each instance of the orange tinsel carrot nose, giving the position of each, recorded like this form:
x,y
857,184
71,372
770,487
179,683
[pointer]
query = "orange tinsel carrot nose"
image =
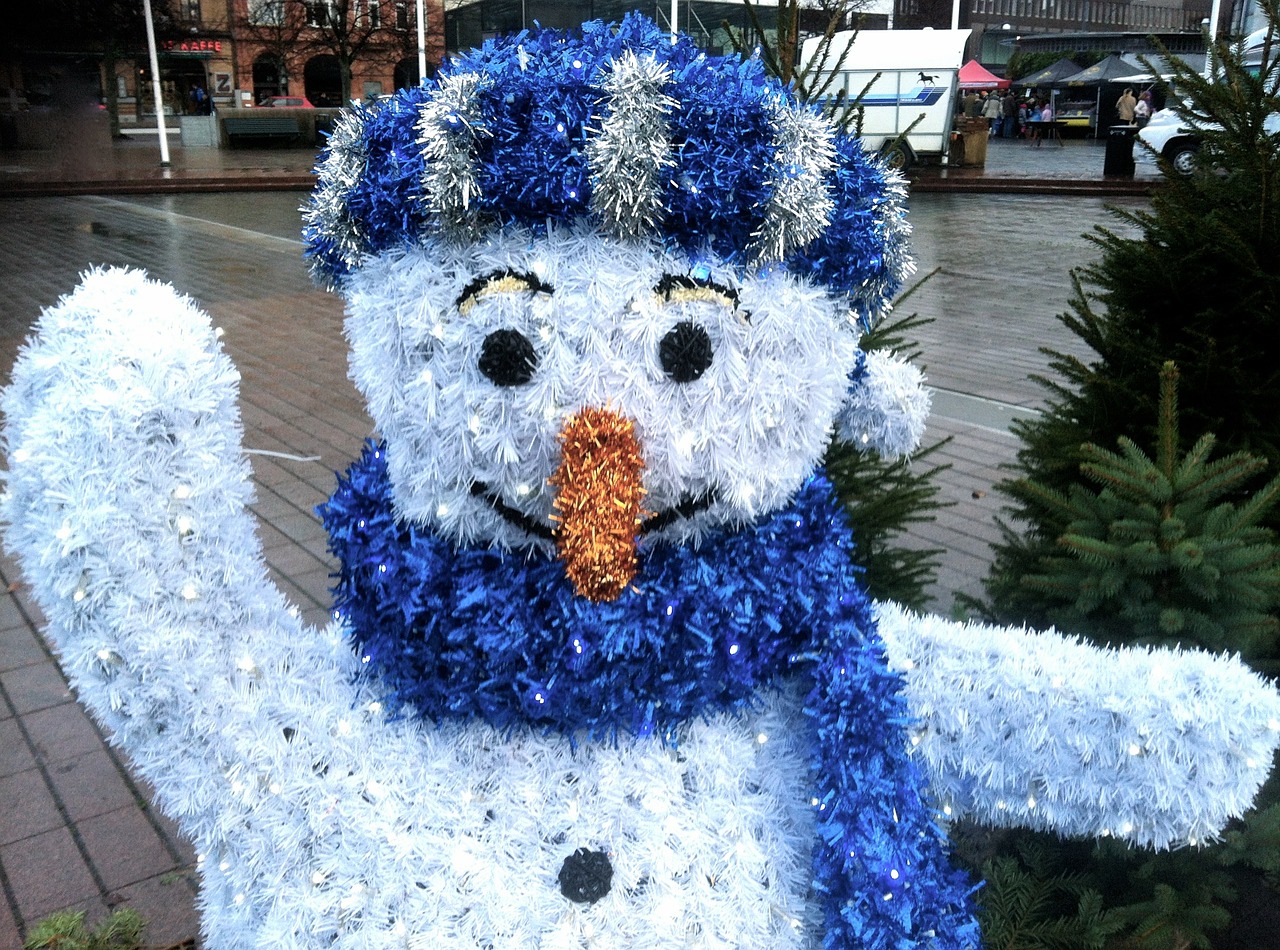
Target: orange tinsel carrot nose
x,y
598,491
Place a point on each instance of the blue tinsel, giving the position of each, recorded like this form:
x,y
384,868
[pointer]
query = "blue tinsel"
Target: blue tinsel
x,y
539,108
502,636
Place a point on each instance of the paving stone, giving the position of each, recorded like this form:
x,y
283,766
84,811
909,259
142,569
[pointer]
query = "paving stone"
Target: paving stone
x,y
38,686
292,559
124,847
47,873
167,903
10,613
27,805
90,784
10,934
21,646
62,732
15,754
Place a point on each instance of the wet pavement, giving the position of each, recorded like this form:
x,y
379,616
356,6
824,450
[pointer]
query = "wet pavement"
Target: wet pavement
x,y
133,166
77,831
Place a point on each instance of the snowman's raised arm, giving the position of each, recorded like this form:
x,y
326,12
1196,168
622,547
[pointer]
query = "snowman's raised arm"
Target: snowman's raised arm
x,y
886,406
1015,727
125,505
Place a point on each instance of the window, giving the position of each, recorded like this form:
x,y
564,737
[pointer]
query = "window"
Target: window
x,y
369,15
192,10
402,15
266,12
321,13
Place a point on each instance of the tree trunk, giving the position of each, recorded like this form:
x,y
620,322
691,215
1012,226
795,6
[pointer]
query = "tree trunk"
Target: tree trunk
x,y
344,70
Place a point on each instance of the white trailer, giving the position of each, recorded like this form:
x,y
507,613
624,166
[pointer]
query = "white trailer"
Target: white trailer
x,y
910,78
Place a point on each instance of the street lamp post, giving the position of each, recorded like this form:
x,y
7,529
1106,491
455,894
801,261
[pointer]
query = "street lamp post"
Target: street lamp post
x,y
422,44
155,85
1214,13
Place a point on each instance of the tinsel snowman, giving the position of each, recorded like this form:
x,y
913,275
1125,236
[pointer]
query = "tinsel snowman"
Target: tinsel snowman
x,y
601,673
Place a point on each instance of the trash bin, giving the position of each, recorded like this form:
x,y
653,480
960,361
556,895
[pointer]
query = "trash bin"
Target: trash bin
x,y
1119,157
974,134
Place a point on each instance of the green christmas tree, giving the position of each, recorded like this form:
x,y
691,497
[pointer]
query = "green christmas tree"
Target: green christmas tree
x,y
1162,554
1194,280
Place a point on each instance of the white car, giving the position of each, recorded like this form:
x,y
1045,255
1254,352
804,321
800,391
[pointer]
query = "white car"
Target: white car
x,y
1167,135
1172,137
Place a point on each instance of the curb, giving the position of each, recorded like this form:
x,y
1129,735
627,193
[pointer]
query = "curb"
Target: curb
x,y
154,186
1100,187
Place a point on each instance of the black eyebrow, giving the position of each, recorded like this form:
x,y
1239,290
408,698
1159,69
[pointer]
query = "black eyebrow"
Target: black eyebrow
x,y
532,281
673,282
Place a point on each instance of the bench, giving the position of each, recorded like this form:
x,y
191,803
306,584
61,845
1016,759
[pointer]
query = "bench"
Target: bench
x,y
262,127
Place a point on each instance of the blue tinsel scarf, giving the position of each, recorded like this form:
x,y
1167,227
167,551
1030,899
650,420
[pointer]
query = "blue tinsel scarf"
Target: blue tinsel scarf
x,y
477,632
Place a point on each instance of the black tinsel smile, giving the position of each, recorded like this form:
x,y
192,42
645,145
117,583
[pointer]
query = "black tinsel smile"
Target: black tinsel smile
x,y
686,508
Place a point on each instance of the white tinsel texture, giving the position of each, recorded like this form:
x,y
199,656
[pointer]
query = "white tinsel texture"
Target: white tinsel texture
x,y
1158,747
887,410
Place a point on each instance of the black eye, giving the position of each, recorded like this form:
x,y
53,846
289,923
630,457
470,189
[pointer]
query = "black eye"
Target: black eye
x,y
685,352
508,358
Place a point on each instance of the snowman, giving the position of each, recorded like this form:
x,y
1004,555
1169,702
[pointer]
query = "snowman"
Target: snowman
x,y
601,672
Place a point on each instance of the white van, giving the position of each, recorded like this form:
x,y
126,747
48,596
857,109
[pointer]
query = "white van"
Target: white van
x,y
907,80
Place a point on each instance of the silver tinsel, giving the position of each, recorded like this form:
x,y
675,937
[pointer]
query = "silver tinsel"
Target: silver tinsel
x,y
800,207
631,155
338,174
873,301
449,127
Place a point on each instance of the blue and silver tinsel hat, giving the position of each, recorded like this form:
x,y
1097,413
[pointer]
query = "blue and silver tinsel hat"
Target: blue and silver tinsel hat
x,y
649,139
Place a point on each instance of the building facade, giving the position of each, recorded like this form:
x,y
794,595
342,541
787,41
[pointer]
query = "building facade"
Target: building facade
x,y
228,53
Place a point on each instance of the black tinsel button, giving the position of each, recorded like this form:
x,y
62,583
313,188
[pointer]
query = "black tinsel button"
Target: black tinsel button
x,y
508,358
586,876
685,352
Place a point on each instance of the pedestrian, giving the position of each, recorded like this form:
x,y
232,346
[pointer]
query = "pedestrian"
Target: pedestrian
x,y
992,113
200,102
1125,106
972,105
1142,110
1009,108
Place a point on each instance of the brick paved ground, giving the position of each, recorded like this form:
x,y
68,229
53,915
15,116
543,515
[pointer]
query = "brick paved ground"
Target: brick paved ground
x,y
76,829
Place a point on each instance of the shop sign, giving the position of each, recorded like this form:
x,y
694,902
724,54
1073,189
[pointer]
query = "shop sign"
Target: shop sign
x,y
192,46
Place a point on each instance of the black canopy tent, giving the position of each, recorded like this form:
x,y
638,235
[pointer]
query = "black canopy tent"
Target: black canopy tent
x,y
1107,72
1049,76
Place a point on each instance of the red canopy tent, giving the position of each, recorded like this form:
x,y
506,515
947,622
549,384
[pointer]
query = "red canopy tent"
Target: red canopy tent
x,y
973,75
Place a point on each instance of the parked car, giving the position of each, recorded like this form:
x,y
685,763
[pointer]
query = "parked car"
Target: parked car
x,y
1169,136
287,102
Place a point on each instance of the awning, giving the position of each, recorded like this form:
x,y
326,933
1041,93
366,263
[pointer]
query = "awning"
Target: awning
x,y
973,75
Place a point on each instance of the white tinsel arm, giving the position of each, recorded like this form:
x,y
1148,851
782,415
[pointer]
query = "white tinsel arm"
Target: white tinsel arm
x,y
125,505
1158,747
885,411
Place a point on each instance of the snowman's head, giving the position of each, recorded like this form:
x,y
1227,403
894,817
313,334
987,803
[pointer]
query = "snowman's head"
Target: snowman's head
x,y
603,290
